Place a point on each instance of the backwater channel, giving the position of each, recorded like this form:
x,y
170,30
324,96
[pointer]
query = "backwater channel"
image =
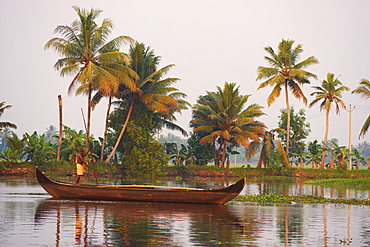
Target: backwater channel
x,y
30,217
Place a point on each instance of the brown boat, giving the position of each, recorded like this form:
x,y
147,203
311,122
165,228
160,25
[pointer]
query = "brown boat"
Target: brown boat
x,y
146,193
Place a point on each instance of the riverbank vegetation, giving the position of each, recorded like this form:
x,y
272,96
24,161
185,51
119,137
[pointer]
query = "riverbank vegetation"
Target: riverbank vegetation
x,y
143,100
279,198
353,182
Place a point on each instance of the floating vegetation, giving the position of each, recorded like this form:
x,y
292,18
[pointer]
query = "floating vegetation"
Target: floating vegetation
x,y
278,198
355,182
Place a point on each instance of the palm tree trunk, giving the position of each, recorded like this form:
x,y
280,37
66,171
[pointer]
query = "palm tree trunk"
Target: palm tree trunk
x,y
122,131
105,129
325,139
60,126
259,165
288,120
88,117
223,154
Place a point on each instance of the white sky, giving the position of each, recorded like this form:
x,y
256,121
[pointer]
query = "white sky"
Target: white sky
x,y
210,42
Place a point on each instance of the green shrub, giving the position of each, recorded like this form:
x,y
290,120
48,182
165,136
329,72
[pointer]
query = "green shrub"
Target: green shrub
x,y
182,169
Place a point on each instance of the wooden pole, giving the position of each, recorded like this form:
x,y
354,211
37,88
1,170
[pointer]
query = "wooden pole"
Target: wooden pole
x,y
60,126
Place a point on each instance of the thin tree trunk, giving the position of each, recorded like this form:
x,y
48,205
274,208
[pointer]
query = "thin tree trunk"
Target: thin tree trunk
x,y
122,131
105,129
60,126
325,138
223,154
88,117
331,162
288,120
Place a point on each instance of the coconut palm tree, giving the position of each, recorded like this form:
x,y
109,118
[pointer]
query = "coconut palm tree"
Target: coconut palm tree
x,y
364,91
153,90
285,73
330,92
3,125
51,133
225,122
86,54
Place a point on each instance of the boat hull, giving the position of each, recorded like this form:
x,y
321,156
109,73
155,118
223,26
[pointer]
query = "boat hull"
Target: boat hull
x,y
138,192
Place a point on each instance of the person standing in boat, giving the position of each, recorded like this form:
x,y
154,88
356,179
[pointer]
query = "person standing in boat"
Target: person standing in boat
x,y
81,165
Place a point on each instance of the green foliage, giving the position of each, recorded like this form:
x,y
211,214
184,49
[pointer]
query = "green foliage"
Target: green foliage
x,y
364,91
314,147
353,182
202,152
2,166
72,142
205,168
148,162
10,156
102,167
299,130
278,198
54,165
37,149
276,166
142,154
182,169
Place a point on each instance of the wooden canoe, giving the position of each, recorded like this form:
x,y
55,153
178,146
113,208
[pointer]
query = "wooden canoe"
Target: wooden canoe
x,y
146,193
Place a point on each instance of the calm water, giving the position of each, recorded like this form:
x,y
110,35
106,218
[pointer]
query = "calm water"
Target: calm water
x,y
29,217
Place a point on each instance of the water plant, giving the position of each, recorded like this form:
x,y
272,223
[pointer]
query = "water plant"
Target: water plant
x,y
293,199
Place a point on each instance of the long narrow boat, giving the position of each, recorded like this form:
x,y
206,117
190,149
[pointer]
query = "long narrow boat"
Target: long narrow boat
x,y
146,193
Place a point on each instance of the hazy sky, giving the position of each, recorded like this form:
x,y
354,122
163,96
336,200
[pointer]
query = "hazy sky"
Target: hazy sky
x,y
210,42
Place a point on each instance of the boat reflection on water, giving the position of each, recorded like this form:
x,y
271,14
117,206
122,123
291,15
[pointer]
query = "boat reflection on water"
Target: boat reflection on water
x,y
83,222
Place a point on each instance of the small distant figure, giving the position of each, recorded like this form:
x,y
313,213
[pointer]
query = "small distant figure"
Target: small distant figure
x,y
81,165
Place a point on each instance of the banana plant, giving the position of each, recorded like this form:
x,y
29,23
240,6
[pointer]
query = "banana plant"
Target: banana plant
x,y
38,148
10,156
338,153
358,159
313,159
302,158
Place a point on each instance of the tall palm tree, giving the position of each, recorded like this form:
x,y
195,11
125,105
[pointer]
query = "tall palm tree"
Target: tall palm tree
x,y
3,125
152,90
364,91
330,92
286,73
223,119
88,56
